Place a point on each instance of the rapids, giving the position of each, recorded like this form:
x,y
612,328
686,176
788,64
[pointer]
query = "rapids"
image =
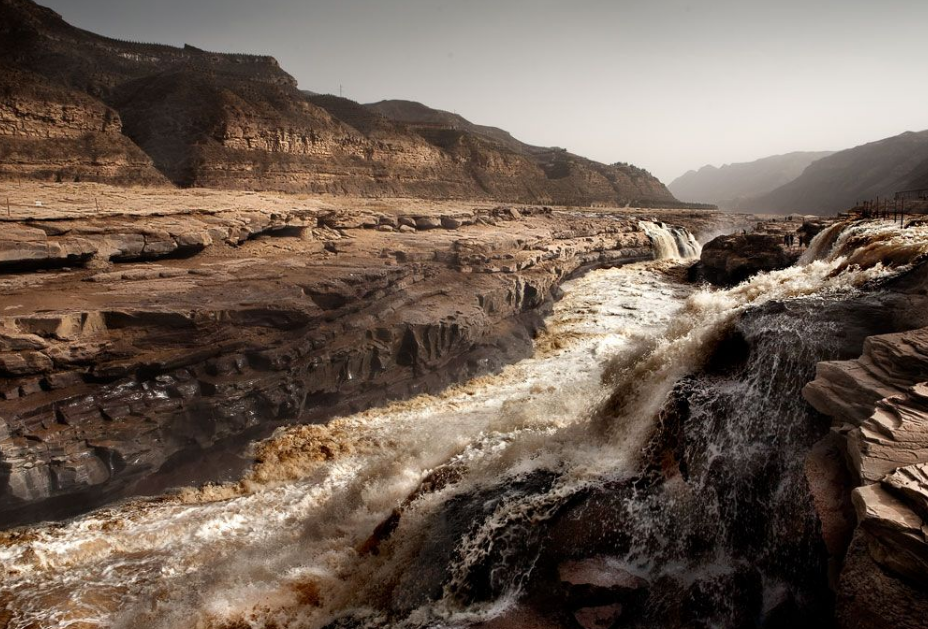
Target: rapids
x,y
429,512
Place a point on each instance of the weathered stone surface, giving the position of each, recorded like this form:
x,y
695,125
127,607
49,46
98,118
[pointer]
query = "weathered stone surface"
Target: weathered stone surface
x,y
110,373
911,485
870,598
882,399
894,436
731,259
24,363
78,106
879,404
897,537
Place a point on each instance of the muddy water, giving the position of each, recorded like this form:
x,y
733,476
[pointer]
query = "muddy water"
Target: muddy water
x,y
392,517
320,491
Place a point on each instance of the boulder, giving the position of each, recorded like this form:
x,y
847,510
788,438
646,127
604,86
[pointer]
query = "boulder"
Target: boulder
x,y
450,222
730,259
424,223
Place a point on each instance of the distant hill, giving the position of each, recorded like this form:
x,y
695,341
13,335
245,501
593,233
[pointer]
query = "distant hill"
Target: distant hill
x,y
76,105
837,182
730,185
919,178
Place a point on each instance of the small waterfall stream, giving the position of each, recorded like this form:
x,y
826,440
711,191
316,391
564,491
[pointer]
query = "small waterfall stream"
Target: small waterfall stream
x,y
658,428
670,242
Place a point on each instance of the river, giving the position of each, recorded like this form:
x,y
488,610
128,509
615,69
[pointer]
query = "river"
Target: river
x,y
428,512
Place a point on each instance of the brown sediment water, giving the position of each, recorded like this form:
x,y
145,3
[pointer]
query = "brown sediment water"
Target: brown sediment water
x,y
338,521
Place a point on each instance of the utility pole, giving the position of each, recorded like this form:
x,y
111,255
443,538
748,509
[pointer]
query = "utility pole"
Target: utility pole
x,y
340,90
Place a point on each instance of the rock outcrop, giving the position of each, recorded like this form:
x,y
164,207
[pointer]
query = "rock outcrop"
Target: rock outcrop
x,y
879,407
54,133
150,336
78,106
730,259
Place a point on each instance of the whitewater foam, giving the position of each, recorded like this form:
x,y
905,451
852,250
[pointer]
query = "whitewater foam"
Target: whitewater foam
x,y
333,519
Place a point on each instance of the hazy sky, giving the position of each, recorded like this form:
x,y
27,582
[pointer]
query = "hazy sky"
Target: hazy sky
x,y
668,85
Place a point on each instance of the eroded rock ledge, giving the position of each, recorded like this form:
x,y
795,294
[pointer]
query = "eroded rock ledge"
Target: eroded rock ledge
x,y
148,337
879,406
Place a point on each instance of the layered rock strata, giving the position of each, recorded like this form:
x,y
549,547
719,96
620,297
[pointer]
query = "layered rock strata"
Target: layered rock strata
x,y
879,407
148,337
54,133
78,106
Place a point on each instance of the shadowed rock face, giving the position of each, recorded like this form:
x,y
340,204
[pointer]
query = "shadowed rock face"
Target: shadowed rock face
x,y
142,113
879,413
730,259
187,331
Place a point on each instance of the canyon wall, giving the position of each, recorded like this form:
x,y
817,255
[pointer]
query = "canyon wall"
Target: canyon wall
x,y
54,133
150,336
141,113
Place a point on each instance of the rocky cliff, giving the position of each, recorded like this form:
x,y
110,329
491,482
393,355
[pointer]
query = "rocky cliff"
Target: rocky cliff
x,y
879,409
140,113
867,476
156,332
51,132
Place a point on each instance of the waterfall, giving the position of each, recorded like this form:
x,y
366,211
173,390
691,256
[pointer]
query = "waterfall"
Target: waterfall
x,y
658,427
822,244
671,243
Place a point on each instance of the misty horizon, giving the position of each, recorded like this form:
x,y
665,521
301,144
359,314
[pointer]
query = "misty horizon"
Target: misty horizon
x,y
668,86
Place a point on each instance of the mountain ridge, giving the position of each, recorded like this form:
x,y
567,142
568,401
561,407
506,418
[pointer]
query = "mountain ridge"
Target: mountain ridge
x,y
730,185
237,121
838,182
